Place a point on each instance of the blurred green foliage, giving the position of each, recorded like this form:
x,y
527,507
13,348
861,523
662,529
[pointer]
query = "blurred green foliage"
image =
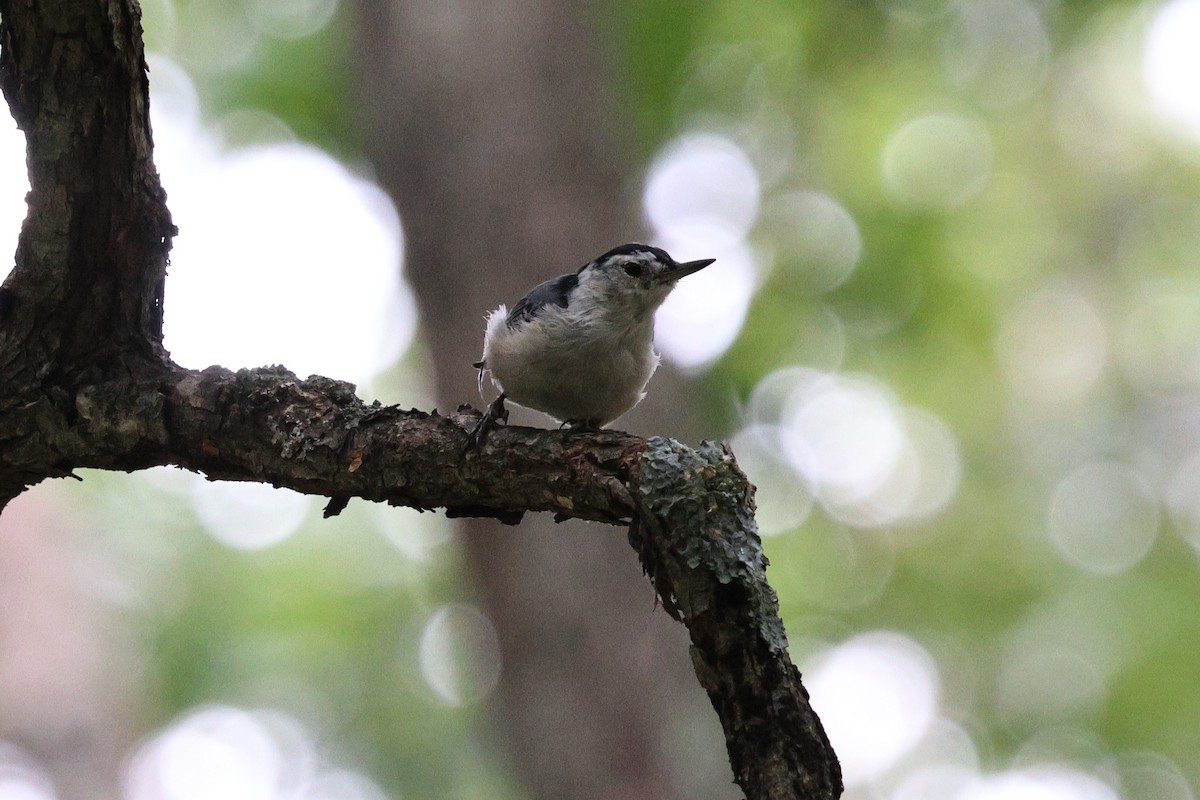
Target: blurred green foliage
x,y
1086,190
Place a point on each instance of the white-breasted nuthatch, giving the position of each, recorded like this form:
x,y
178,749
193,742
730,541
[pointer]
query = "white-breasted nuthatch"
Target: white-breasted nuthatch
x,y
580,347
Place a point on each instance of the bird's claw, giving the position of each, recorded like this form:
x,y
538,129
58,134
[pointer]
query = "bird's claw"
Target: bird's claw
x,y
579,426
495,414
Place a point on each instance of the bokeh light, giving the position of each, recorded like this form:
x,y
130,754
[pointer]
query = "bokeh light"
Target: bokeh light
x,y
291,19
235,754
998,50
342,785
1062,744
1049,782
217,752
1101,100
1053,346
816,236
271,238
1172,62
1103,518
274,238
937,161
419,537
14,184
1070,635
1183,499
844,434
459,654
208,42
869,460
21,778
225,37
701,180
933,783
782,499
702,317
701,198
248,516
946,744
925,479
1158,339
877,696
1047,681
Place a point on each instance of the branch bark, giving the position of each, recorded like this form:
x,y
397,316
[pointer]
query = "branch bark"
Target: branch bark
x,y
85,382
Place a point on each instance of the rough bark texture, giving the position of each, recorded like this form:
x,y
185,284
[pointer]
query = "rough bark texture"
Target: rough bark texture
x,y
84,382
82,309
699,543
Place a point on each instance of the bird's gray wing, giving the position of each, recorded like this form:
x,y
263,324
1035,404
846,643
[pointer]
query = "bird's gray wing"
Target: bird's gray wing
x,y
556,291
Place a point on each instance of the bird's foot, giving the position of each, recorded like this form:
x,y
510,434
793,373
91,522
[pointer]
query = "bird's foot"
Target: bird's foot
x,y
494,415
579,426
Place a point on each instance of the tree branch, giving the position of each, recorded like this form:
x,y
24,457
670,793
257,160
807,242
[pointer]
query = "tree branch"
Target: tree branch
x,y
84,382
316,436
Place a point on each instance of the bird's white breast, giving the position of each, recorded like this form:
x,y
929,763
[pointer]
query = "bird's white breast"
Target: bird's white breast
x,y
570,365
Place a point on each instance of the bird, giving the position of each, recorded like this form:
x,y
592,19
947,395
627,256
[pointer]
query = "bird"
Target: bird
x,y
580,347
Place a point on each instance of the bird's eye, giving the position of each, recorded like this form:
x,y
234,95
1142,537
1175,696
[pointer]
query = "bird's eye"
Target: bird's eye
x,y
634,270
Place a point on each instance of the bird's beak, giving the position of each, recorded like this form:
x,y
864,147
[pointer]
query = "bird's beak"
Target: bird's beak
x,y
677,271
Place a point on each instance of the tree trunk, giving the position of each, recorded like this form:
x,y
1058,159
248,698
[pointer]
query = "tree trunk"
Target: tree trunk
x,y
493,127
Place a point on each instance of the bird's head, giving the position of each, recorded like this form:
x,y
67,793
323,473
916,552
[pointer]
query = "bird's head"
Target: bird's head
x,y
635,276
